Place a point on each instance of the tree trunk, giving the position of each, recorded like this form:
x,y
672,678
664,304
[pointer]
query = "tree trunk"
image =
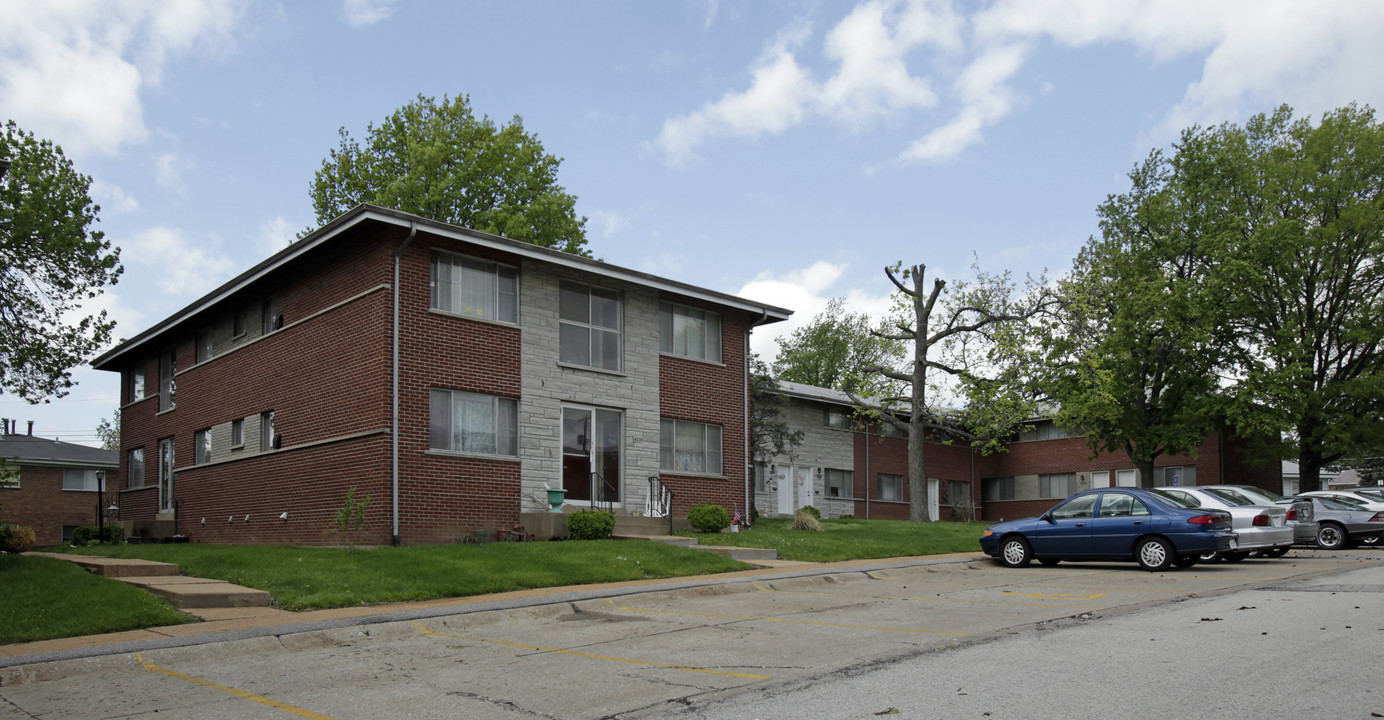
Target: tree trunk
x,y
1147,479
917,431
1309,471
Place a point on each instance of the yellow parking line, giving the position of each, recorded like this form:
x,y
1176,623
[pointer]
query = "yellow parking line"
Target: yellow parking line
x,y
785,620
233,691
421,628
1032,585
930,599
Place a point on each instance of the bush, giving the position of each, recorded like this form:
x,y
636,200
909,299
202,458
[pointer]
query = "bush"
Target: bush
x,y
814,512
708,518
590,524
804,520
16,538
90,535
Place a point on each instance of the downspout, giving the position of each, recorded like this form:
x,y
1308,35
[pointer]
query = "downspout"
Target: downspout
x,y
749,459
867,472
394,391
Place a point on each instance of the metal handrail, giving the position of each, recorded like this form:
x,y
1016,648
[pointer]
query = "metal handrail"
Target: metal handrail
x,y
602,500
660,500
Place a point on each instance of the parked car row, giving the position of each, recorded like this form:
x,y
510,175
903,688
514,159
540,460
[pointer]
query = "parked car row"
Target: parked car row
x,y
1181,526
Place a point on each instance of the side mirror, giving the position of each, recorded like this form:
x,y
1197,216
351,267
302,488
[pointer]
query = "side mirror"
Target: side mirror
x,y
1046,517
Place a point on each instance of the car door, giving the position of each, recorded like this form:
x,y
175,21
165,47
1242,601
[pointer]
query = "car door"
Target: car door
x,y
1065,531
1120,519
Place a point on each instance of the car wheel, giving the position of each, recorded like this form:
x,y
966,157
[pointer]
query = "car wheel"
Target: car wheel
x,y
1186,561
1371,540
1154,554
1279,551
1049,561
1331,536
1234,557
1015,552
1209,557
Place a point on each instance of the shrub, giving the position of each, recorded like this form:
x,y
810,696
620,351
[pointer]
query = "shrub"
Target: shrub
x,y
90,535
814,512
708,518
804,520
590,524
16,538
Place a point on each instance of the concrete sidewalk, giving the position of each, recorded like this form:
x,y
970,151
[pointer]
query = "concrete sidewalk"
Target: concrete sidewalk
x,y
238,621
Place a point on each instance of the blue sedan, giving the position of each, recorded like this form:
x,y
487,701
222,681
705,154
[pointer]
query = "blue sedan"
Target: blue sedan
x,y
1153,528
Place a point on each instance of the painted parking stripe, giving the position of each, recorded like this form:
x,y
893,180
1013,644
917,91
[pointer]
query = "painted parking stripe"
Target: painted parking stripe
x,y
233,691
786,620
423,629
929,599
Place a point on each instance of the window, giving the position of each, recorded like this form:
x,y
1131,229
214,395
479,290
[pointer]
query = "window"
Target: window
x,y
1056,486
1081,507
689,332
267,431
79,479
203,347
238,433
890,487
689,447
956,493
837,419
201,443
270,320
1121,505
136,467
1000,488
474,423
168,387
761,477
589,327
9,475
166,475
838,483
137,384
888,429
1181,476
478,288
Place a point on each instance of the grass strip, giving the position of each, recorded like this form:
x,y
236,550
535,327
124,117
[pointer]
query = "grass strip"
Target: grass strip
x,y
42,599
853,539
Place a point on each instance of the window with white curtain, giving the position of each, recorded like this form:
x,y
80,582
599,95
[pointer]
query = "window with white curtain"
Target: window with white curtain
x,y
690,447
476,288
474,423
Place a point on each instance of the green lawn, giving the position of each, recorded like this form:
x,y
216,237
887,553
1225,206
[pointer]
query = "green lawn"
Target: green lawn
x,y
42,598
849,539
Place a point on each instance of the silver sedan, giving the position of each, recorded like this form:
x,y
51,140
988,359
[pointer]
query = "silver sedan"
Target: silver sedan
x,y
1344,525
1301,515
1262,528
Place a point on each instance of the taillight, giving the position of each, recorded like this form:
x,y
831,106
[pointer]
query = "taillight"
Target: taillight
x,y
1204,519
1292,514
1262,520
1378,517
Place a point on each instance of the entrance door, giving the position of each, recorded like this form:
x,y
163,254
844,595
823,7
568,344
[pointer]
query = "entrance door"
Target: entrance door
x,y
166,475
783,482
591,454
1100,479
1126,478
802,479
933,498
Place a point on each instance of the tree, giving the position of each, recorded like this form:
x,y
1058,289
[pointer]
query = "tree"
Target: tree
x,y
981,337
52,261
834,349
108,432
439,161
1133,359
770,434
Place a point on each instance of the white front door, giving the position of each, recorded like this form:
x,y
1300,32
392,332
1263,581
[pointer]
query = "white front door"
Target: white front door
x,y
803,478
783,485
933,506
1100,479
1126,478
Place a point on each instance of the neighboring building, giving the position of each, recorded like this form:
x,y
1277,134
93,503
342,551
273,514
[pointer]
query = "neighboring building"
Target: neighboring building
x,y
845,466
1332,478
51,486
450,375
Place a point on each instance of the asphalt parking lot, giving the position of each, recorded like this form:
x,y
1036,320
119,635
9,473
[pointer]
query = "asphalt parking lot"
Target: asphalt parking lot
x,y
628,652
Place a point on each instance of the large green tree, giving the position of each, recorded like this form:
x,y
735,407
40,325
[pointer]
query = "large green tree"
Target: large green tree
x,y
439,161
834,350
1134,355
51,262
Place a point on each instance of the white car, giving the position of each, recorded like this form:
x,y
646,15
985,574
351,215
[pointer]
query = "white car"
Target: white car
x,y
1262,528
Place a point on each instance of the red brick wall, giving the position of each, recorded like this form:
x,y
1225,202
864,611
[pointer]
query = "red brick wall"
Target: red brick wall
x,y
703,392
41,503
876,454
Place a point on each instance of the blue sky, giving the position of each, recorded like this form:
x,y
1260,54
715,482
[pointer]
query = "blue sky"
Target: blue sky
x,y
784,151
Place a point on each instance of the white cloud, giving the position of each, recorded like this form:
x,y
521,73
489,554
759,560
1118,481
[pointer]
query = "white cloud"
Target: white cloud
x,y
275,234
168,171
72,72
182,266
362,13
805,291
1258,53
609,223
112,198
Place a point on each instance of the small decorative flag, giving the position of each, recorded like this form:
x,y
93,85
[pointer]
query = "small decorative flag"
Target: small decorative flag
x,y
735,517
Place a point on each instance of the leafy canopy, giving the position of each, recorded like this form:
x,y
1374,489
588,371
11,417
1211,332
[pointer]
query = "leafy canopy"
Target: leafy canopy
x,y
51,261
439,161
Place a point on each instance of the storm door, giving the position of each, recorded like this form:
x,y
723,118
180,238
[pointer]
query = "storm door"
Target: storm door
x,y
166,475
591,454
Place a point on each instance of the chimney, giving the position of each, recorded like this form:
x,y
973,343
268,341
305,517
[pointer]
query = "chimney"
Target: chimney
x,y
31,428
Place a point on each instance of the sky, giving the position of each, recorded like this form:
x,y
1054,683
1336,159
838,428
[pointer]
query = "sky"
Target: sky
x,y
782,151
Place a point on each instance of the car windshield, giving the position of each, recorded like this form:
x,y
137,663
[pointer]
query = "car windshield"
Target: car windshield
x,y
1372,493
1261,491
1233,498
1170,499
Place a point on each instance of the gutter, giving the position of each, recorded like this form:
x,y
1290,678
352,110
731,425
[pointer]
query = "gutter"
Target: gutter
x,y
749,458
394,391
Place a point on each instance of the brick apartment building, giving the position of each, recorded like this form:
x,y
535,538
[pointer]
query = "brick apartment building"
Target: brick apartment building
x,y
846,467
51,486
451,376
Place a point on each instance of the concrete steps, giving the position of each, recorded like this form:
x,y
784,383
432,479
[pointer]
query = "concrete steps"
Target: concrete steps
x,y
163,579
